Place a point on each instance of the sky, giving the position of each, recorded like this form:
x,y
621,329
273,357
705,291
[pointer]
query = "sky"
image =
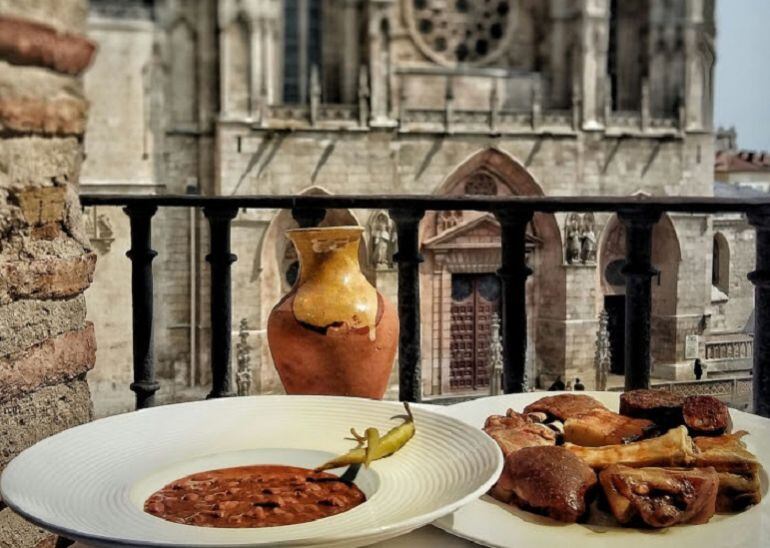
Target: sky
x,y
742,80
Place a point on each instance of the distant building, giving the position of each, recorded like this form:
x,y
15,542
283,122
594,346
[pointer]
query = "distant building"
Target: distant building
x,y
511,97
737,174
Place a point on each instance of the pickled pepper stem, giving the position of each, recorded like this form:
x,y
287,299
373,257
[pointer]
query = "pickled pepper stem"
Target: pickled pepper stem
x,y
377,446
373,439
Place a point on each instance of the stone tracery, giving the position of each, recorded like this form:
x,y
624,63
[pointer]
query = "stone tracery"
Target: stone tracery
x,y
461,31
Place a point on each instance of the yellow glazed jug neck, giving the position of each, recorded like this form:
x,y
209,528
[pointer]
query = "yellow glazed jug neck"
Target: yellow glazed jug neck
x,y
331,288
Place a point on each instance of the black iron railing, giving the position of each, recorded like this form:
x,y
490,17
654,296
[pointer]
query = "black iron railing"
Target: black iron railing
x,y
638,214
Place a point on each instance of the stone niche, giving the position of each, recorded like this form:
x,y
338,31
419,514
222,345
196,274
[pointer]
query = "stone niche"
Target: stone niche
x,y
46,344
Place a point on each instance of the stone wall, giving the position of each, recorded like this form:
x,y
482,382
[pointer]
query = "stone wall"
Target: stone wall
x,y
46,344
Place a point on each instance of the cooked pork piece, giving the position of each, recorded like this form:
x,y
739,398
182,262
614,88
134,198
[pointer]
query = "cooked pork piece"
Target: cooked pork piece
x,y
600,427
514,431
675,448
660,406
549,481
706,416
564,406
738,470
660,497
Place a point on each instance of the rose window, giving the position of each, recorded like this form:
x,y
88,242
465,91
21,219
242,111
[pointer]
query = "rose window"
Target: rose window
x,y
461,31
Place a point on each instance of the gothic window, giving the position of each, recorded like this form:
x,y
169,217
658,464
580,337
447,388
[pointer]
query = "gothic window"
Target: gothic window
x,y
460,31
627,61
481,184
183,78
301,47
720,266
238,74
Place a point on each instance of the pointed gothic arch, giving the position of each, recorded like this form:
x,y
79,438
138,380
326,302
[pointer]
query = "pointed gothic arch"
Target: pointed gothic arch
x,y
666,257
463,246
183,71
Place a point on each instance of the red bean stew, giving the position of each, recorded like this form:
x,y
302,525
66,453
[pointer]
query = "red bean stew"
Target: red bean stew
x,y
253,496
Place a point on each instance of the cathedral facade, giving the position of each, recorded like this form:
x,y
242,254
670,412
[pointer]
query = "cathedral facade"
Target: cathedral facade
x,y
441,97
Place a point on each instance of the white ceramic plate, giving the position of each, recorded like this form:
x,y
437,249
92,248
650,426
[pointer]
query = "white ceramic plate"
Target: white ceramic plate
x,y
89,483
491,523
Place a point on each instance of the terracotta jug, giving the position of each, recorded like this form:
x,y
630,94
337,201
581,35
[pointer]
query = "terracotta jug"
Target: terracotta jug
x,y
333,333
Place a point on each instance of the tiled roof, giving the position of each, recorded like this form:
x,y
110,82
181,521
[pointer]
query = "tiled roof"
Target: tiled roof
x,y
727,161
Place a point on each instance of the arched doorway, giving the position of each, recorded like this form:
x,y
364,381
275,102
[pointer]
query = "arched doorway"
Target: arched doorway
x,y
279,267
666,256
459,282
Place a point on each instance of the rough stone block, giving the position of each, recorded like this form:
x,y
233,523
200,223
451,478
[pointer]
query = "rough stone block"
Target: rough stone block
x,y
41,206
48,411
15,532
65,15
35,100
58,359
26,323
38,161
24,42
47,278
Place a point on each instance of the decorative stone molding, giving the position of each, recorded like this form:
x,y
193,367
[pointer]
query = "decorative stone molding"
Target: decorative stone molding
x,y
98,228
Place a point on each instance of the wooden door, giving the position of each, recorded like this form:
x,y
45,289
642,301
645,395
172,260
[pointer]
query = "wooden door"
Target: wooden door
x,y
475,298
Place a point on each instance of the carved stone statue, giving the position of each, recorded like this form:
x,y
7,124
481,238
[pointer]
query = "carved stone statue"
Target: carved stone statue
x,y
573,243
383,240
495,357
603,355
588,240
242,349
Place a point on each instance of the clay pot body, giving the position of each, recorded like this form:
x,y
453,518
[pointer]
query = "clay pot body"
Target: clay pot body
x,y
333,333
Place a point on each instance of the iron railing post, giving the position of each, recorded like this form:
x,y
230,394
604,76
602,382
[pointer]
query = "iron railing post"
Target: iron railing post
x,y
408,259
513,274
638,272
220,258
141,255
760,277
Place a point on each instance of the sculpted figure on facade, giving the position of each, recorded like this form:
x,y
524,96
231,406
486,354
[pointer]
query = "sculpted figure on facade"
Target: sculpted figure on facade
x,y
588,240
573,243
383,240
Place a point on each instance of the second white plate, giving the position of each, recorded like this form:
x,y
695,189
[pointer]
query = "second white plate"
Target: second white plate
x,y
492,523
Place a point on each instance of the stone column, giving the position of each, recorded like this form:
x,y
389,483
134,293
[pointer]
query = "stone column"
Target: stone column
x,y
350,51
256,66
46,345
694,78
269,61
378,70
594,35
561,68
